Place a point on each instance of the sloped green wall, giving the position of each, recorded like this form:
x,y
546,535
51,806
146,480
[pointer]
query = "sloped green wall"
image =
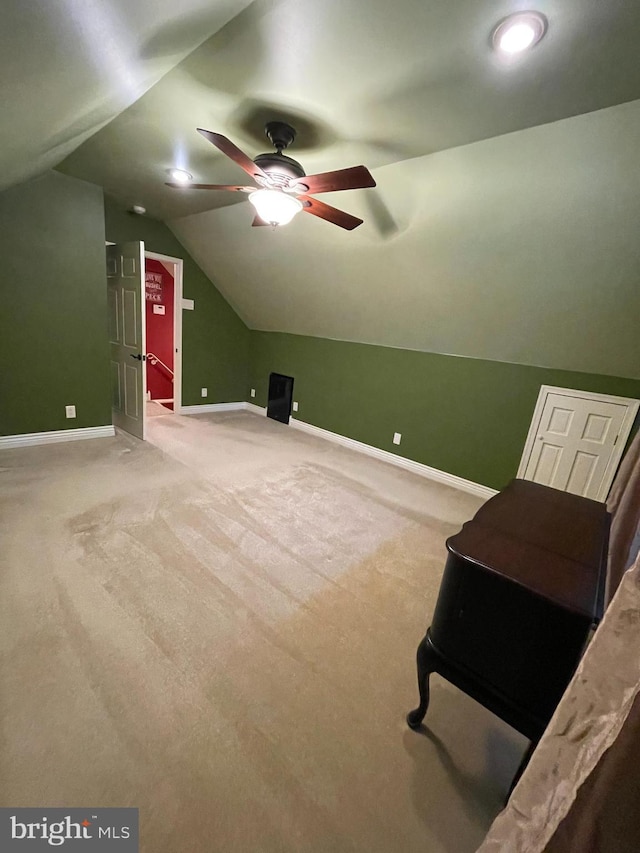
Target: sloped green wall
x,y
465,416
215,341
523,248
53,345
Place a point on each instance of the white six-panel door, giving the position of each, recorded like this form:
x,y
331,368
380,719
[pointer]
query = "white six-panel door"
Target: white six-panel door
x,y
125,289
576,439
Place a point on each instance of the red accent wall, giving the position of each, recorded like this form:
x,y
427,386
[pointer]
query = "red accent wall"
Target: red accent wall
x,y
159,290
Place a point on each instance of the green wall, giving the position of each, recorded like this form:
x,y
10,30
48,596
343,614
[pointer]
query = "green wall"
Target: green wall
x,y
215,341
465,416
53,346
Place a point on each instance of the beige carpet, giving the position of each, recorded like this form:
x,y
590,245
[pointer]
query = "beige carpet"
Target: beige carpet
x,y
218,626
153,409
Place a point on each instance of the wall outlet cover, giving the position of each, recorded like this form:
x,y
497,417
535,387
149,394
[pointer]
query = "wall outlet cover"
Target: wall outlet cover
x,y
70,411
203,392
397,436
253,392
295,407
188,305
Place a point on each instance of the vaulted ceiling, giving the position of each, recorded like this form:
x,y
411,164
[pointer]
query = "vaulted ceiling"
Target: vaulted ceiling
x,y
506,190
365,81
69,67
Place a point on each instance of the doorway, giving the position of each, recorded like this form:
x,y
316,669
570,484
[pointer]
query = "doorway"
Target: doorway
x,y
144,296
163,316
576,440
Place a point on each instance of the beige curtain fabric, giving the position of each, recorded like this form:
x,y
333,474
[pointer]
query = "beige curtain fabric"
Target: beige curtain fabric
x,y
588,720
624,505
606,813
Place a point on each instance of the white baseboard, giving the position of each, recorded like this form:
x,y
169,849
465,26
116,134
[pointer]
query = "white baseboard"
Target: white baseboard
x,y
60,435
55,436
257,410
209,408
408,464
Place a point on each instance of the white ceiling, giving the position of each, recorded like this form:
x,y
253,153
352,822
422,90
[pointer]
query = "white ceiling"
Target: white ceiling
x,y
68,67
364,81
507,192
523,248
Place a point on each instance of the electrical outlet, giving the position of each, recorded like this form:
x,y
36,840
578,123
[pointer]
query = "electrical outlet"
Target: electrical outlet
x,y
397,436
70,411
203,392
295,407
253,392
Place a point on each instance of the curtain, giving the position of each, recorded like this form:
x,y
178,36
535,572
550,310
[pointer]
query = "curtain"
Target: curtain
x,y
581,790
624,505
599,712
605,815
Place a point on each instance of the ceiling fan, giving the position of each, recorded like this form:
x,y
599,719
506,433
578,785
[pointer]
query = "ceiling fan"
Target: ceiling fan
x,y
283,188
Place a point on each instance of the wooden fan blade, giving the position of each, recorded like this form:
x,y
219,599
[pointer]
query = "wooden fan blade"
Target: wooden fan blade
x,y
229,187
355,178
331,214
227,147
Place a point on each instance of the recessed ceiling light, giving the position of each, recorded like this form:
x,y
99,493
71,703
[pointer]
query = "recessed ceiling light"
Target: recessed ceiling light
x,y
519,32
180,176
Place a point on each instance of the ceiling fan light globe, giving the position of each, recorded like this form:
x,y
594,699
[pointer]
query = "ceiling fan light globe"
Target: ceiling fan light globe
x,y
274,206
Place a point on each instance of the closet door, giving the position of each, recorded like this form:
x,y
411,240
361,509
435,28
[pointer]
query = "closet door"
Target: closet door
x,y
576,440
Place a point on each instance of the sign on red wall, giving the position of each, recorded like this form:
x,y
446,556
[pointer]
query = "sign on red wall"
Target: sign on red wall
x,y
154,286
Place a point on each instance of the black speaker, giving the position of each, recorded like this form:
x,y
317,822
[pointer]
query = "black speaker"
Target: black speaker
x,y
280,397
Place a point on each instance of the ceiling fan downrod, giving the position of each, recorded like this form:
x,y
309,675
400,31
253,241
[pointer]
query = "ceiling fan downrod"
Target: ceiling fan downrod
x,y
280,134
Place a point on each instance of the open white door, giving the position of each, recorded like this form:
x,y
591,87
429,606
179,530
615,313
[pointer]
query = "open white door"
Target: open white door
x,y
576,440
125,281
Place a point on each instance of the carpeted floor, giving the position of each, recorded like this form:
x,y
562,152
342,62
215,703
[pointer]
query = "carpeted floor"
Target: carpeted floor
x,y
218,626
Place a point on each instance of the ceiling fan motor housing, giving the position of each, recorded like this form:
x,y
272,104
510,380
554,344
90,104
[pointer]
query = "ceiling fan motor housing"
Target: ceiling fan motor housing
x,y
278,165
280,168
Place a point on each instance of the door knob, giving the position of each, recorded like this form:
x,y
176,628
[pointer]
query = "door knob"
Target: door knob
x,y
138,356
